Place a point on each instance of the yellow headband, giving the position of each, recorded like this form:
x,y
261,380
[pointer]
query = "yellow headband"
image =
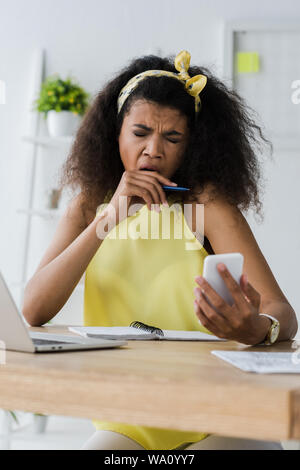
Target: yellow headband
x,y
192,85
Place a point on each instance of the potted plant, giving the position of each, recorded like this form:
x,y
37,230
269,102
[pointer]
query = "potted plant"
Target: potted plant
x,y
63,102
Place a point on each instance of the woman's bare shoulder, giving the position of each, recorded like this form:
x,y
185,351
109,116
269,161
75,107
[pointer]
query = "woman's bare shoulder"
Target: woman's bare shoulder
x,y
217,210
206,194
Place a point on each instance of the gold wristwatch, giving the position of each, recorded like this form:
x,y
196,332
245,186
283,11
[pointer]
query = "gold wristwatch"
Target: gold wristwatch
x,y
273,332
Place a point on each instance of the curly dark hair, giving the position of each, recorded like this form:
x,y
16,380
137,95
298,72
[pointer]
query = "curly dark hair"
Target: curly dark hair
x,y
221,151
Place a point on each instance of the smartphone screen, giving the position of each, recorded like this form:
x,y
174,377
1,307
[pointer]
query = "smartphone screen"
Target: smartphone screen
x,y
233,262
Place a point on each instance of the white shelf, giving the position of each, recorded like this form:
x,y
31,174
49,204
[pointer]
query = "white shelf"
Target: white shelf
x,y
47,141
45,213
40,143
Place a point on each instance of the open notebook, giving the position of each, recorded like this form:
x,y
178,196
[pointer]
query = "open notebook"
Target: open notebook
x,y
139,330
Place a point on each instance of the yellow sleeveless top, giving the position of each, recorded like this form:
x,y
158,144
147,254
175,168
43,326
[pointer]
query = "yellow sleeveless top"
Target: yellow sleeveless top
x,y
146,272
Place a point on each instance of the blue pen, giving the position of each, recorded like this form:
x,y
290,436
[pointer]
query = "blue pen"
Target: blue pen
x,y
174,188
169,188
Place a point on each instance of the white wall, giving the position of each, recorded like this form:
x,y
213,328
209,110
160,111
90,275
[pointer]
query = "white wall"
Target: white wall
x,y
93,39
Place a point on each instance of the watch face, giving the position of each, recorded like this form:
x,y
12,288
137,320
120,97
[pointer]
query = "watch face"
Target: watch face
x,y
274,333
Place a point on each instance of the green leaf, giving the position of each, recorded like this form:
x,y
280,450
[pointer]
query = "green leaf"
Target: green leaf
x,y
14,416
58,94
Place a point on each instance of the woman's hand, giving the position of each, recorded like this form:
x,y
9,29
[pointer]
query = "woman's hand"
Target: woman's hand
x,y
239,322
144,184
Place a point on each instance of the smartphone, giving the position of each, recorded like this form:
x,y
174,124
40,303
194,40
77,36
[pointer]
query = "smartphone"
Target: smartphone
x,y
234,264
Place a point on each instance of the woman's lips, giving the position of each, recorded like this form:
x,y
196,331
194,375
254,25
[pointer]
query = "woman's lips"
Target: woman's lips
x,y
149,169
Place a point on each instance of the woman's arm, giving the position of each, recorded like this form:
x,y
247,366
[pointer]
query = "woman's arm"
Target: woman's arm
x,y
228,231
74,244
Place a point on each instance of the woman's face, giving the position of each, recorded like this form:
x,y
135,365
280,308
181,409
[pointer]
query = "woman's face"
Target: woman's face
x,y
153,136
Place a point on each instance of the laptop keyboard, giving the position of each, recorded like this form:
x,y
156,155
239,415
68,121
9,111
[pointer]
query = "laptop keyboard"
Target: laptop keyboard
x,y
44,342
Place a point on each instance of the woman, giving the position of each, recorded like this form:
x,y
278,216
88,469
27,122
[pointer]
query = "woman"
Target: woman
x,y
151,117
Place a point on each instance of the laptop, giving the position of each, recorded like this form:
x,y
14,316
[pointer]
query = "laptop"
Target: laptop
x,y
16,336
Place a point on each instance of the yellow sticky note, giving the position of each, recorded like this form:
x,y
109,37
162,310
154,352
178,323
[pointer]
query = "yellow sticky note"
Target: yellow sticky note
x,y
247,62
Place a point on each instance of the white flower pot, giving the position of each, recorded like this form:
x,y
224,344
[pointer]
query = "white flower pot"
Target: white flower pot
x,y
39,424
63,123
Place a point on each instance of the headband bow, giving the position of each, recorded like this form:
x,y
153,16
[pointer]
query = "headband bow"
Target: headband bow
x,y
193,85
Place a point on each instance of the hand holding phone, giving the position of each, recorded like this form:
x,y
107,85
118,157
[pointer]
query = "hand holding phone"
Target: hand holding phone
x,y
237,318
233,262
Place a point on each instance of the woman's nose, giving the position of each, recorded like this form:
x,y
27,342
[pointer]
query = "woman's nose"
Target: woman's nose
x,y
154,147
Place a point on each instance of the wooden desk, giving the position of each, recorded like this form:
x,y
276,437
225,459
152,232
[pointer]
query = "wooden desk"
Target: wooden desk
x,y
164,384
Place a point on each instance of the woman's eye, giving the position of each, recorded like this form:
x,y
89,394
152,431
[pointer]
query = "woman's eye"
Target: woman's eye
x,y
143,135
